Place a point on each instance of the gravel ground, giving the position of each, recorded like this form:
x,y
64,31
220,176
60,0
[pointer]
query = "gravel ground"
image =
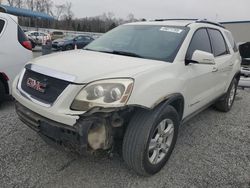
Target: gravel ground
x,y
213,150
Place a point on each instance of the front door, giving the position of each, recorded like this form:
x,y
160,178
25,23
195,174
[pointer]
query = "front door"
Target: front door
x,y
201,84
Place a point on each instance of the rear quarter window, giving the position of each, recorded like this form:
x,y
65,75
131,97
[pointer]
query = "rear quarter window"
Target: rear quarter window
x,y
232,41
57,33
21,36
2,22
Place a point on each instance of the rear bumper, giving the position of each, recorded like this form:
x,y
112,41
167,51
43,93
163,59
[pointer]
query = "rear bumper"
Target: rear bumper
x,y
74,138
245,77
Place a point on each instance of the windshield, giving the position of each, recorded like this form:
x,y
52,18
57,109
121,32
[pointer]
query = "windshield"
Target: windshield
x,y
144,41
69,38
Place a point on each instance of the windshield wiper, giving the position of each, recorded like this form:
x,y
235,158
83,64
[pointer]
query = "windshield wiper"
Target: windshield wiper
x,y
131,54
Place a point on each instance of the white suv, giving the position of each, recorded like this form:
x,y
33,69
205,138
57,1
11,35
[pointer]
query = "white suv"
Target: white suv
x,y
136,84
15,51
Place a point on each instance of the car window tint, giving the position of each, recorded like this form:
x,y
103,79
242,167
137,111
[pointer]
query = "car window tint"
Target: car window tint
x,y
200,41
57,33
1,25
35,34
232,41
79,38
21,35
218,43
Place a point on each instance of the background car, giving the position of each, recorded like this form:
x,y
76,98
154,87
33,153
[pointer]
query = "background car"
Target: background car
x,y
15,51
245,65
69,43
57,35
38,36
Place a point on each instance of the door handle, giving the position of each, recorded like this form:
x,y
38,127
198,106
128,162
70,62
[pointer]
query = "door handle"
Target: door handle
x,y
215,69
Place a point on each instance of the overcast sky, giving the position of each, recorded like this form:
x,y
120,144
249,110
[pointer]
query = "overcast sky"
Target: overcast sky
x,y
219,10
223,10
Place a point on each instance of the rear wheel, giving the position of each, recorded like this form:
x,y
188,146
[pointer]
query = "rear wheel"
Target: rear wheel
x,y
69,47
150,139
2,92
226,103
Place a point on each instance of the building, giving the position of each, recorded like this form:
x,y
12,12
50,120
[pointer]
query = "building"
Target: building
x,y
239,29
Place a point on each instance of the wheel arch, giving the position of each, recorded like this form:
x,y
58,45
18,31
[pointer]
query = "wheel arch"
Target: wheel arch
x,y
237,76
176,100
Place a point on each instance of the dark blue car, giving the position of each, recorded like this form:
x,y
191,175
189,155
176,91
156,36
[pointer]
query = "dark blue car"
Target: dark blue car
x,y
69,43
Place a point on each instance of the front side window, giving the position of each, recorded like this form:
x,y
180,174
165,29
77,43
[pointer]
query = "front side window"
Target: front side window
x,y
218,43
144,41
2,22
200,41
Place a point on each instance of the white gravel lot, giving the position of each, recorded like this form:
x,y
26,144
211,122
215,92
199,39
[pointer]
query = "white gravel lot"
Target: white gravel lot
x,y
213,150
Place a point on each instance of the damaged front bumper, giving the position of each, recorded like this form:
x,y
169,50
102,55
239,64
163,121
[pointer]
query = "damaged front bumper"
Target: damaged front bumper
x,y
75,137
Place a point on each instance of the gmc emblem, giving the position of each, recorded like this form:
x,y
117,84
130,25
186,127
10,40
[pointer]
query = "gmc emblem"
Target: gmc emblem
x,y
36,85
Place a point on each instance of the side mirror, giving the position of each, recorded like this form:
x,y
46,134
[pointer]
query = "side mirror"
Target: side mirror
x,y
201,57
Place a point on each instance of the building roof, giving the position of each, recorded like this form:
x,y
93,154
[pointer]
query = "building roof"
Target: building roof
x,y
236,22
24,12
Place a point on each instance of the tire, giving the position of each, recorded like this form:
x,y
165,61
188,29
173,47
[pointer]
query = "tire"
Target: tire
x,y
142,132
225,103
68,47
2,92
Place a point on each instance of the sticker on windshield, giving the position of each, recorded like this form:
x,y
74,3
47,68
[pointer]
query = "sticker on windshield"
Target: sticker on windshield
x,y
171,29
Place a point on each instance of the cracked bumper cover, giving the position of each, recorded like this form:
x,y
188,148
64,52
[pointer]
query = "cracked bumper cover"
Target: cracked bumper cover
x,y
75,137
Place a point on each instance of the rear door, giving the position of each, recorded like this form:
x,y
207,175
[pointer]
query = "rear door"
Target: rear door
x,y
223,59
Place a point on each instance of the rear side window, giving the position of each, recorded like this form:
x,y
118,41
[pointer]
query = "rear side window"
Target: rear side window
x,y
1,25
200,41
57,33
232,42
218,43
21,36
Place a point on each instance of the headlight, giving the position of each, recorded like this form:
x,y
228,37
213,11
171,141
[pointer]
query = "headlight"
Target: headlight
x,y
105,93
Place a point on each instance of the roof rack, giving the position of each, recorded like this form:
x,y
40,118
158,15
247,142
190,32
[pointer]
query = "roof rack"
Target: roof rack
x,y
178,19
195,20
209,22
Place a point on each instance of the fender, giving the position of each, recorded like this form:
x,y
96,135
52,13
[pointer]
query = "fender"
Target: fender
x,y
175,99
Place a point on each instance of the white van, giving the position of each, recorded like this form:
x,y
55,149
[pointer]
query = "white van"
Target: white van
x,y
15,51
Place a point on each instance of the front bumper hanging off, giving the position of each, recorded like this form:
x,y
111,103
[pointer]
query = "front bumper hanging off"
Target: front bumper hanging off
x,y
75,137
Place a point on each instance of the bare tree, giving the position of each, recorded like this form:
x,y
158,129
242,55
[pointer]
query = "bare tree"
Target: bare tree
x,y
68,13
59,9
131,18
11,2
30,4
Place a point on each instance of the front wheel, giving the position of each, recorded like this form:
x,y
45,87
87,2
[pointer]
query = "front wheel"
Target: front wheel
x,y
225,104
68,47
150,139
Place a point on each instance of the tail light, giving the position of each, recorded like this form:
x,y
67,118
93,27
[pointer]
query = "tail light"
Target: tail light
x,y
27,45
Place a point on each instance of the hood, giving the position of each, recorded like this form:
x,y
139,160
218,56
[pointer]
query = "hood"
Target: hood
x,y
59,40
245,50
88,66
